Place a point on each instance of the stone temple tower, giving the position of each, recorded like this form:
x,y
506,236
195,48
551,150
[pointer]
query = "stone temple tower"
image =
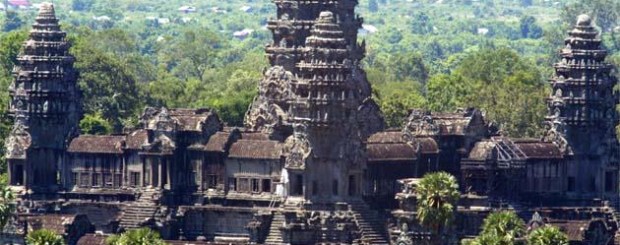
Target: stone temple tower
x,y
45,104
294,24
582,114
325,153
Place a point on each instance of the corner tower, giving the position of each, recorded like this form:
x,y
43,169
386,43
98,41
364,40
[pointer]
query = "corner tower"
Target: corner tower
x,y
582,115
45,105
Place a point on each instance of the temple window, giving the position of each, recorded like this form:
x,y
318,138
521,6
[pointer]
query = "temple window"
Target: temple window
x,y
352,185
108,180
74,178
232,184
266,185
118,180
134,179
97,180
211,181
84,179
298,185
255,186
244,185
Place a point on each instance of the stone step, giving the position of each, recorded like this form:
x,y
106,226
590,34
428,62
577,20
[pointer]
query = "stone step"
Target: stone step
x,y
275,236
137,213
369,223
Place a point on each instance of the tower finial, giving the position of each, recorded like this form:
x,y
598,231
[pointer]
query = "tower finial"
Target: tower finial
x,y
326,17
47,10
584,20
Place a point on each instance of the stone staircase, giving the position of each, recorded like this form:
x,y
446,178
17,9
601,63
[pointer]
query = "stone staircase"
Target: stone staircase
x,y
275,235
140,211
370,223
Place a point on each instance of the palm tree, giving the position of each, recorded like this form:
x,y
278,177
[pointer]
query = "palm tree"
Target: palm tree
x,y
6,206
142,236
44,237
437,195
503,228
505,224
485,240
547,235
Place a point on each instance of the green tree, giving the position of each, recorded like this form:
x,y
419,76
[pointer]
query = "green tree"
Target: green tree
x,y
12,21
10,45
396,99
95,124
408,66
44,237
107,83
190,54
527,3
82,5
421,24
497,80
373,6
141,236
437,195
504,228
485,240
529,28
547,235
6,206
446,93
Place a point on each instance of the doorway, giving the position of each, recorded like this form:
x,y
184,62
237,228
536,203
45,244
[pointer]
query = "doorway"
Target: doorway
x,y
18,175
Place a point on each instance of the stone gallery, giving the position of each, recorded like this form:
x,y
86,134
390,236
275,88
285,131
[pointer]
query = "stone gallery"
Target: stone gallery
x,y
314,163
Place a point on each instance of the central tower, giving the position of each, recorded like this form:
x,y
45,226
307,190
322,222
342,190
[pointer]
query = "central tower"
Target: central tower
x,y
326,151
317,99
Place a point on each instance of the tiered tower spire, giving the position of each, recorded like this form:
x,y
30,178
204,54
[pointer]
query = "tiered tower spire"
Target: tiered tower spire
x,y
582,113
45,103
327,145
295,19
293,26
324,93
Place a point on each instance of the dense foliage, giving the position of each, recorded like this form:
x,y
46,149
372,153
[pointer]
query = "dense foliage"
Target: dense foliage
x,y
141,236
506,228
501,228
6,206
547,235
44,237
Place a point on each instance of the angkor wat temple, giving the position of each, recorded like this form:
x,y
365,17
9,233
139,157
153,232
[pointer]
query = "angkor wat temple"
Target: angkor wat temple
x,y
314,163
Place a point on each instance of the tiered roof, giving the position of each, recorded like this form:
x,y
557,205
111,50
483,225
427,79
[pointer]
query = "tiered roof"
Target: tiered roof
x,y
322,91
582,87
45,82
295,21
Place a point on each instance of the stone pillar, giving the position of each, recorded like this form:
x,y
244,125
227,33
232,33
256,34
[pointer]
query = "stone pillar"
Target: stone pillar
x,y
123,171
10,172
160,180
168,173
152,165
143,162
